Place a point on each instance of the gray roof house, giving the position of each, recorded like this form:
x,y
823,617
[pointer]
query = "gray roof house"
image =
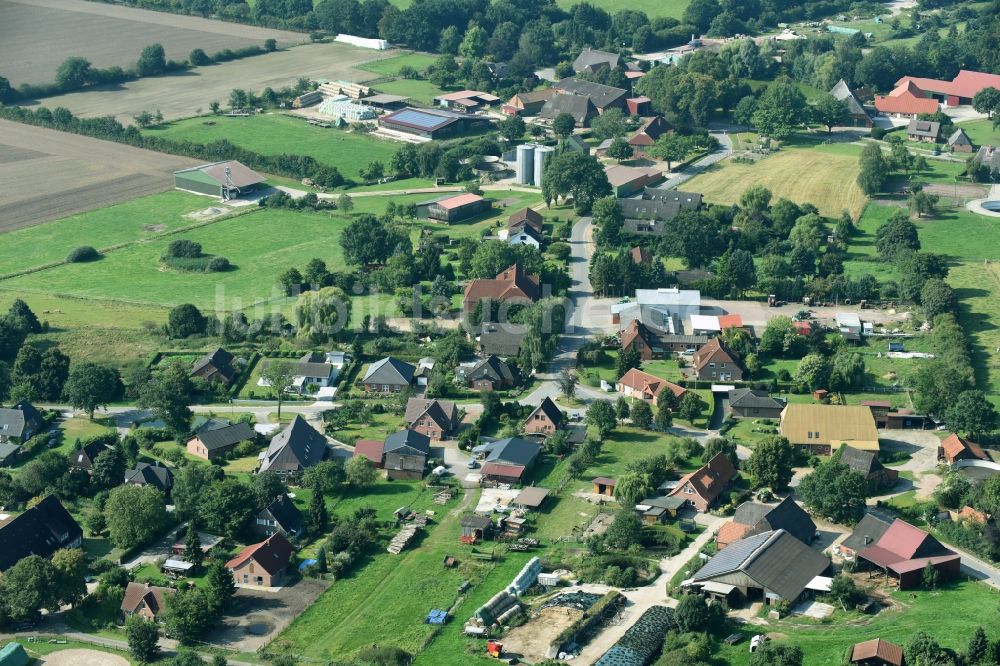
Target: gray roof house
x,y
924,130
786,515
989,157
866,533
491,371
752,403
772,565
209,443
157,476
20,423
388,375
297,447
602,96
281,515
580,107
405,454
215,366
512,451
41,530
959,141
591,60
502,340
843,92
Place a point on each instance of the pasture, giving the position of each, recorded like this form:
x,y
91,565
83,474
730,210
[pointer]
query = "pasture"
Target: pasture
x,y
653,8
822,175
276,133
48,175
981,132
109,35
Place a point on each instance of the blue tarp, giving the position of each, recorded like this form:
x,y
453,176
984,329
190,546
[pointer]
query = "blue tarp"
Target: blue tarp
x,y
437,617
306,564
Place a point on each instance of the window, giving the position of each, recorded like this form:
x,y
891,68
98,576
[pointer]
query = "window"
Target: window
x,y
246,578
809,435
688,490
711,365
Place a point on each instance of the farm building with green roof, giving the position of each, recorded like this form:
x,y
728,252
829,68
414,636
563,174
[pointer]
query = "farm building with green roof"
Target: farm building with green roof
x,y
226,180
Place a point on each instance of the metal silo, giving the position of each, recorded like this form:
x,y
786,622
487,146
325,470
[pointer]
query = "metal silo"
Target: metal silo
x,y
542,156
524,169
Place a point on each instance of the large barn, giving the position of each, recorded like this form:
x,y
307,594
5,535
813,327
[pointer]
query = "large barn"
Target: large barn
x,y
227,180
431,123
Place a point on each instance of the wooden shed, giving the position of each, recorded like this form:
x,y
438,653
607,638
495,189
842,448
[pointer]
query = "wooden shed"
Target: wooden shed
x,y
604,486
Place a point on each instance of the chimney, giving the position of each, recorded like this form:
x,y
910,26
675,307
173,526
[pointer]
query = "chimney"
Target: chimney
x,y
868,539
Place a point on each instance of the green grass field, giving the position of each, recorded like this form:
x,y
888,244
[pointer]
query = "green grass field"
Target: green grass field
x,y
653,8
950,615
981,132
391,66
275,134
823,175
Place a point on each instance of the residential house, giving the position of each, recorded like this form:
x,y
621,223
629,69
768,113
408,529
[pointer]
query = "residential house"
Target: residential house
x,y
454,208
512,284
144,600
216,366
988,160
959,142
156,475
906,101
769,567
866,463
903,552
647,134
526,217
747,403
371,449
869,529
925,131
643,386
954,448
438,419
650,342
642,340
601,96
544,419
580,107
20,423
877,652
716,362
263,564
651,215
40,530
701,488
956,92
591,60
405,453
9,453
282,516
489,374
209,444
859,116
293,450
529,103
626,180
754,518
822,429
388,375
84,457
312,372
640,256
523,235
503,340
507,460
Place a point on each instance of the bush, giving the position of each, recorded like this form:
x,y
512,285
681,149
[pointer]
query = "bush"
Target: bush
x,y
878,133
218,265
183,248
82,254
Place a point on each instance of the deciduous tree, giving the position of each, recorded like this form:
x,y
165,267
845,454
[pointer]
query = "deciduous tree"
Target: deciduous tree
x,y
143,639
874,169
601,416
135,515
770,463
91,385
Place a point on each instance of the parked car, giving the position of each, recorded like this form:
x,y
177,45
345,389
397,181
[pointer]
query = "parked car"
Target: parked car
x,y
472,464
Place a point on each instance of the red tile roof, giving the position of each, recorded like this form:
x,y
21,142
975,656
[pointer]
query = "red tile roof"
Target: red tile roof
x,y
507,471
906,98
511,283
637,380
714,351
710,479
459,201
954,446
730,321
730,532
272,554
369,448
966,84
877,648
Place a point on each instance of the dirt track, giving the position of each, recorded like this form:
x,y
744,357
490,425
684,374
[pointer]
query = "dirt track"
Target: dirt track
x,y
37,35
48,174
80,657
181,95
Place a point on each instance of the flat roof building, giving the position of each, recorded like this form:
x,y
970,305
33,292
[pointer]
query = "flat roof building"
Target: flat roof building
x,y
431,123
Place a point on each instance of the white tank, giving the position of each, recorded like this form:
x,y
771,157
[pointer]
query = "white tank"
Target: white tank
x,y
542,156
525,166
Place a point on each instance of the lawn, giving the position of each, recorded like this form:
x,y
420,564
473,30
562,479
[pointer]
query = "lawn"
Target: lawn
x,y
276,134
378,427
653,8
261,246
950,615
824,176
391,66
981,132
139,219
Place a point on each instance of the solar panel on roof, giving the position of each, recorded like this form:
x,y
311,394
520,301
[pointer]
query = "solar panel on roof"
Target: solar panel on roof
x,y
418,119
